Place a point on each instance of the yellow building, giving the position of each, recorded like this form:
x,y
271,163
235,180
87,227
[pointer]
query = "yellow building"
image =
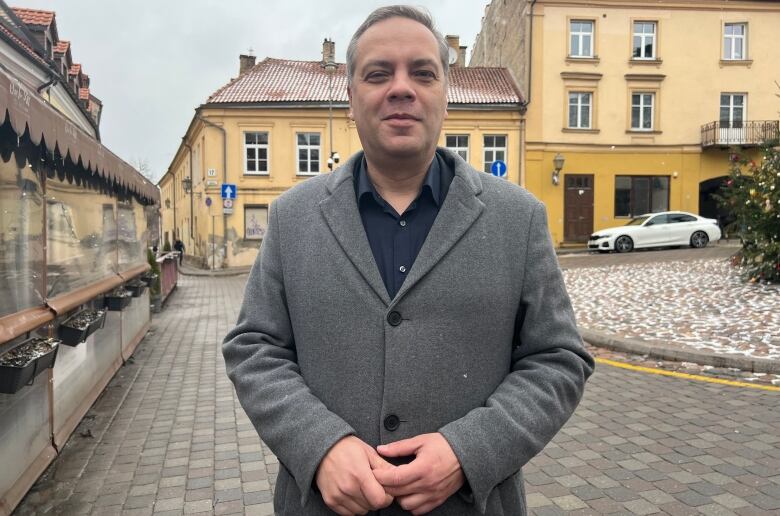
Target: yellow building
x,y
280,122
643,102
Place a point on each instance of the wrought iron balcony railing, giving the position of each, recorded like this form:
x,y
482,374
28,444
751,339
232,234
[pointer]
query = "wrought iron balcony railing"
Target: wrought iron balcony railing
x,y
745,134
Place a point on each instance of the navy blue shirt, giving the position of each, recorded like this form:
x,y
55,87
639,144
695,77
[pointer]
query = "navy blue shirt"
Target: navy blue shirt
x,y
396,239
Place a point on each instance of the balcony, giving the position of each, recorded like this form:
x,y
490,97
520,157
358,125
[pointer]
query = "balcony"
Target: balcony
x,y
744,134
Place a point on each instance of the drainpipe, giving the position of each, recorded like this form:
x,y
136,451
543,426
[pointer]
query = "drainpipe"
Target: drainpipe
x,y
173,187
528,96
224,172
51,82
192,184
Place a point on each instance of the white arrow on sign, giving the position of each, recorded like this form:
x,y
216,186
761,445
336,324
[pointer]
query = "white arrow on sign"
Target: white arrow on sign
x,y
228,192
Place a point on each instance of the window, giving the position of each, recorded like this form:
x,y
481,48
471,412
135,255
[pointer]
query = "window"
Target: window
x,y
256,153
734,41
495,150
580,104
459,144
636,195
732,110
581,38
308,153
680,217
644,40
642,111
255,222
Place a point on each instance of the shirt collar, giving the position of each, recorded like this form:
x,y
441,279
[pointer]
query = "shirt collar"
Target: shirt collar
x,y
432,182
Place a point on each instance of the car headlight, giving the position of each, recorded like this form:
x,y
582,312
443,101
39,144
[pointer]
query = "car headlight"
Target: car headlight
x,y
596,237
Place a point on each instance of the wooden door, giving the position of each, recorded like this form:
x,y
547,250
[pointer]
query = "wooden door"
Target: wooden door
x,y
578,207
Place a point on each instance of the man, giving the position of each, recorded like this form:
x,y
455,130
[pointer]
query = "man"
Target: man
x,y
405,343
179,246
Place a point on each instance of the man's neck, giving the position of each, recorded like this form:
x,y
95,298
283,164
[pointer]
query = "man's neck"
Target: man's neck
x,y
399,182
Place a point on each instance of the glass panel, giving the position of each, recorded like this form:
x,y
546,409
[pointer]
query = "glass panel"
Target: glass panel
x,y
303,155
489,141
622,196
450,141
463,154
262,138
251,153
131,234
647,121
738,48
586,46
250,166
499,156
302,166
301,139
315,166
250,137
641,196
21,231
724,117
573,115
262,153
660,194
314,155
500,141
314,139
585,121
637,46
575,45
635,117
262,165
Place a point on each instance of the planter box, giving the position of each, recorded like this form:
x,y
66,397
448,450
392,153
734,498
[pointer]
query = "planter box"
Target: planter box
x,y
136,287
15,375
149,279
78,327
118,299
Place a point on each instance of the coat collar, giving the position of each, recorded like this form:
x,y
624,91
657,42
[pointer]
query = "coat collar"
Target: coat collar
x,y
460,210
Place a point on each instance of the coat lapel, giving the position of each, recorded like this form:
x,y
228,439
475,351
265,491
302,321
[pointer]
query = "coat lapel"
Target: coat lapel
x,y
460,210
343,218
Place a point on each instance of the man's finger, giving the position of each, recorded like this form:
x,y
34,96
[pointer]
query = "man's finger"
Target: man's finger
x,y
401,448
374,493
376,461
414,501
400,475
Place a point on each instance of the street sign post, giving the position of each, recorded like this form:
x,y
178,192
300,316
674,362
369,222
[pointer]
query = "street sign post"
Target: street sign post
x,y
498,168
229,191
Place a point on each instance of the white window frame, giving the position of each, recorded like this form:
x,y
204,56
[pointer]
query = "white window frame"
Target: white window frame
x,y
308,147
643,38
458,148
580,35
257,147
578,105
492,150
730,42
642,106
732,107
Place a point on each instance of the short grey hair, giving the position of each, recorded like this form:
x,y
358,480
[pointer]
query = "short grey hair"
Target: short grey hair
x,y
398,11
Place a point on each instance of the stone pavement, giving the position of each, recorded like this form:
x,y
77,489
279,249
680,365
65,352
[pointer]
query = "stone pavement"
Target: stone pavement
x,y
169,437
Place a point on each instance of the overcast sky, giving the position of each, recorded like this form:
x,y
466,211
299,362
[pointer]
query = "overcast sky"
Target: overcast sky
x,y
153,62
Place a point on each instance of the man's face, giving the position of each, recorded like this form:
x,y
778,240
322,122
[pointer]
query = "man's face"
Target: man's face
x,y
398,95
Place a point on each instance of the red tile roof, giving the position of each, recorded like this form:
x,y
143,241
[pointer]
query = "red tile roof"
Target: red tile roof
x,y
61,47
74,69
34,16
84,93
28,49
282,80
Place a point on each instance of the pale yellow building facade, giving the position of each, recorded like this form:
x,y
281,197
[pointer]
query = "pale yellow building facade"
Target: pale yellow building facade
x,y
246,136
645,102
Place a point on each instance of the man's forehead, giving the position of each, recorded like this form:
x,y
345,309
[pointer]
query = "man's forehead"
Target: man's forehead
x,y
396,31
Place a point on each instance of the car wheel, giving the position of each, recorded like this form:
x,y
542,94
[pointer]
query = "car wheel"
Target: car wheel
x,y
624,244
699,239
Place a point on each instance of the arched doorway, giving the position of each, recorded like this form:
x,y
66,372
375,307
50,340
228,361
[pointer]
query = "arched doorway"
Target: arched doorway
x,y
708,205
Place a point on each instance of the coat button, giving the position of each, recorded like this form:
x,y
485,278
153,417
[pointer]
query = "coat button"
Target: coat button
x,y
394,318
392,423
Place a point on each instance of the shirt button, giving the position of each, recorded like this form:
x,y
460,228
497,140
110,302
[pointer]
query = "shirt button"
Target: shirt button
x,y
392,423
402,268
394,318
402,223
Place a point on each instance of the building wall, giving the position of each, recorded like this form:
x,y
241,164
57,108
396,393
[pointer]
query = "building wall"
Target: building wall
x,y
688,78
208,243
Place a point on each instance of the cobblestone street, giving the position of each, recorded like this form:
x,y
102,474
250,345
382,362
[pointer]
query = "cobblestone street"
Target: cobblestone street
x,y
169,437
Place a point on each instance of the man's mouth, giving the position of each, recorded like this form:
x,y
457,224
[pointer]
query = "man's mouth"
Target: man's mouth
x,y
401,116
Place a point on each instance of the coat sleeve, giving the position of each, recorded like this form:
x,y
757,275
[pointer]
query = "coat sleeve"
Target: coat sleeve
x,y
260,359
546,381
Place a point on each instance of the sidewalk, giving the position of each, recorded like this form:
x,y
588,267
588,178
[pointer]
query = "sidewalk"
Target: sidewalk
x,y
169,437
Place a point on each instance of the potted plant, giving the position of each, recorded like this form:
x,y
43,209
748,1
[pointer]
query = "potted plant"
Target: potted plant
x,y
136,287
76,328
20,365
118,299
155,293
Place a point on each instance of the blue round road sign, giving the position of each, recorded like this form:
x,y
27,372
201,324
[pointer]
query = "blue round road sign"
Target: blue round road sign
x,y
208,201
498,168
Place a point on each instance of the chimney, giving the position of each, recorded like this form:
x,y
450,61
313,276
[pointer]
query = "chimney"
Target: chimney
x,y
245,63
454,43
462,55
328,52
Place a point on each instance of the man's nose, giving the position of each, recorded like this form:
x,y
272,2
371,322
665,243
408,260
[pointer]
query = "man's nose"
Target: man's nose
x,y
401,87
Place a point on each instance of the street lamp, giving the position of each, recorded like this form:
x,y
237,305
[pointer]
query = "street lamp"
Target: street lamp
x,y
186,183
558,161
330,66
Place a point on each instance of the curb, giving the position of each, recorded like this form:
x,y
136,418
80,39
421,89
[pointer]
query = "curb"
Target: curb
x,y
666,350
214,274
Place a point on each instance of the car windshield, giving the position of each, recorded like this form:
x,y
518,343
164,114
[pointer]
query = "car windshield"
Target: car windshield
x,y
637,221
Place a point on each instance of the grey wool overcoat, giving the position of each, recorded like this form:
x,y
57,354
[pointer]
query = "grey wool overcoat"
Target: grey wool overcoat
x,y
479,344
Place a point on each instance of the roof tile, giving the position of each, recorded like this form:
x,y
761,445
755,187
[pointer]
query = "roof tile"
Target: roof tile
x,y
34,16
61,47
282,80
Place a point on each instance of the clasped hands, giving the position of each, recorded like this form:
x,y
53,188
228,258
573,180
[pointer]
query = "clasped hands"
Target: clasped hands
x,y
354,478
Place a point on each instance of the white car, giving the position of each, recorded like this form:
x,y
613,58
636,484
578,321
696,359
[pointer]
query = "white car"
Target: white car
x,y
668,228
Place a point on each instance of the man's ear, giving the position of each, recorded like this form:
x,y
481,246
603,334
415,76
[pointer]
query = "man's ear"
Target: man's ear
x,y
349,95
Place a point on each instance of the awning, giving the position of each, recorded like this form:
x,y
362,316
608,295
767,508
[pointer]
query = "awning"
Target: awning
x,y
28,110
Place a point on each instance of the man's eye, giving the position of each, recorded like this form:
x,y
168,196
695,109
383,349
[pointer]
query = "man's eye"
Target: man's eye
x,y
376,76
425,74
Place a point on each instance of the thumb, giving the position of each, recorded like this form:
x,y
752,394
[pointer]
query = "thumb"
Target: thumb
x,y
376,461
374,493
401,448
